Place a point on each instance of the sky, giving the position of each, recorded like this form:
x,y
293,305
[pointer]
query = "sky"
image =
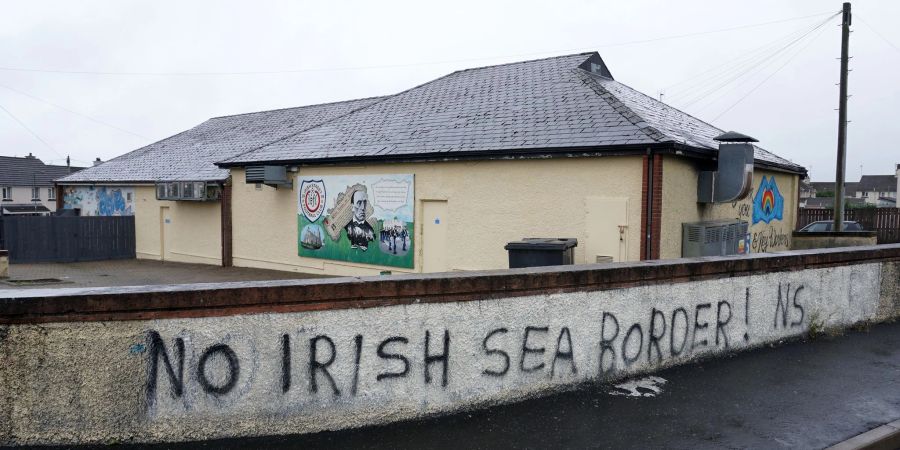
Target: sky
x,y
96,79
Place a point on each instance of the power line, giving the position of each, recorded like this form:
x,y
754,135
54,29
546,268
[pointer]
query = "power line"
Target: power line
x,y
335,69
791,58
769,59
30,131
93,119
877,33
721,69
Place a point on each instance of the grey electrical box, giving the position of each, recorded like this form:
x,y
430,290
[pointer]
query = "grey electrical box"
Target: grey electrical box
x,y
714,238
268,175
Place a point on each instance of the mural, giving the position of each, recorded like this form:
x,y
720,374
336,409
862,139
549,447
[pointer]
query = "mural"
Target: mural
x,y
360,218
100,200
768,204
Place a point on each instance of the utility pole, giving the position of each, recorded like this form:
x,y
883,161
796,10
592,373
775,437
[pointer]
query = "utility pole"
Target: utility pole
x,y
842,123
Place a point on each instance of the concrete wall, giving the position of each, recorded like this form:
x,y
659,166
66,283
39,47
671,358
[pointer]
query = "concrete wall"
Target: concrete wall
x,y
194,229
21,195
200,361
490,203
680,205
810,240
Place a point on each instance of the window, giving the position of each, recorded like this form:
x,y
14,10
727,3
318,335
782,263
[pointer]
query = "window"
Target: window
x,y
187,190
35,194
818,227
7,193
51,194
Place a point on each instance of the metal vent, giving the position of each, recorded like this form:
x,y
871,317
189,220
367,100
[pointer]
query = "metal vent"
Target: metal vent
x,y
712,238
268,175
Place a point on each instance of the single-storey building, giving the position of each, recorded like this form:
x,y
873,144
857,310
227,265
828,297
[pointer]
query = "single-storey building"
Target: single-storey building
x,y
178,196
462,165
441,176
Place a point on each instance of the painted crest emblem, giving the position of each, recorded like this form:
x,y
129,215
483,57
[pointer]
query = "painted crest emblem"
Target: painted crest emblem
x,y
768,204
312,199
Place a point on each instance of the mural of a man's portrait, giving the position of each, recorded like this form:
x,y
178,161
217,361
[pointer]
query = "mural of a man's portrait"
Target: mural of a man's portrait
x,y
365,206
359,232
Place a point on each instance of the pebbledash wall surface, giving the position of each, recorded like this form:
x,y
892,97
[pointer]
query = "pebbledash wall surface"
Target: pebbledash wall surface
x,y
177,363
463,213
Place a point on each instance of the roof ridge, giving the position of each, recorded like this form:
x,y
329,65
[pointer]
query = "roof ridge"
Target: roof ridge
x,y
388,97
670,106
382,99
620,107
299,107
528,61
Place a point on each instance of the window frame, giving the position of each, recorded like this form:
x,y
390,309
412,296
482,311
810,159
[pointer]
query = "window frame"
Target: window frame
x,y
36,190
7,193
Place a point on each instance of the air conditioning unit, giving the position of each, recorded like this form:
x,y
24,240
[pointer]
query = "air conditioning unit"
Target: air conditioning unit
x,y
269,175
713,238
198,191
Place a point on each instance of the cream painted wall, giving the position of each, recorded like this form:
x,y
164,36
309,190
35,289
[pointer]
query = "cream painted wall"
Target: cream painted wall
x,y
21,195
680,205
195,228
490,203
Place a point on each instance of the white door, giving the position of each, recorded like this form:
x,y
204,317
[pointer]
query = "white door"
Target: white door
x,y
606,222
165,223
434,236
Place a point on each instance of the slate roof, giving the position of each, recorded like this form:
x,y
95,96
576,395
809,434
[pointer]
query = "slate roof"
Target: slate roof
x,y
28,170
828,186
554,103
190,155
878,183
828,202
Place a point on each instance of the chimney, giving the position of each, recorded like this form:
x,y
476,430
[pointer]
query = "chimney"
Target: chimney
x,y
97,162
733,178
30,155
897,174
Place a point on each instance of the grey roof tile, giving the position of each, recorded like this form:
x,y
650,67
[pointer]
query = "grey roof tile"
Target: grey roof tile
x,y
28,170
545,103
191,155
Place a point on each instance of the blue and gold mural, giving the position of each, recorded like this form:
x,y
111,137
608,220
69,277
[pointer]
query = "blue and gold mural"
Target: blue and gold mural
x,y
768,204
100,200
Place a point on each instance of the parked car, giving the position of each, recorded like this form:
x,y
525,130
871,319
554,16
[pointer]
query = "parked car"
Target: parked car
x,y
826,225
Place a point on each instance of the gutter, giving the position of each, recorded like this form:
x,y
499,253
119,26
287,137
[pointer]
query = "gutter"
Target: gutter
x,y
670,148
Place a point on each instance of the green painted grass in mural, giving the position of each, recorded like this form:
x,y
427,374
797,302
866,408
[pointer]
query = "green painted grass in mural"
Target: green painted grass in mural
x,y
313,242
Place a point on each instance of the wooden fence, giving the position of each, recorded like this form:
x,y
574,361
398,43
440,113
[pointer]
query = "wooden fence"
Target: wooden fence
x,y
884,221
32,239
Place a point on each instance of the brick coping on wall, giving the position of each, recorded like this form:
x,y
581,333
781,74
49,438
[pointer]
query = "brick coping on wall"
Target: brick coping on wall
x,y
223,299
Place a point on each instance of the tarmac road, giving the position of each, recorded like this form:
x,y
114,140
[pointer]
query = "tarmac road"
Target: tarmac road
x,y
798,395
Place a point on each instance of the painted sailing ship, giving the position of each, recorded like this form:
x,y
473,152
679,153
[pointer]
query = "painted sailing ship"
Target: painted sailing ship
x,y
312,238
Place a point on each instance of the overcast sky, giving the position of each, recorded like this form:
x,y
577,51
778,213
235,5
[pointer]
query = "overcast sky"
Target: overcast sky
x,y
784,95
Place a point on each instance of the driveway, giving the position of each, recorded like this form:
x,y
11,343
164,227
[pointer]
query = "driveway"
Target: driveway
x,y
132,272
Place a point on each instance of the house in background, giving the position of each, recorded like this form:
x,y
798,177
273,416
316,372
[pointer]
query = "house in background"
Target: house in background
x,y
875,190
27,185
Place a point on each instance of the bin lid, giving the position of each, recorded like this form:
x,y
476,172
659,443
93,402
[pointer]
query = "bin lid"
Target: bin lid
x,y
542,244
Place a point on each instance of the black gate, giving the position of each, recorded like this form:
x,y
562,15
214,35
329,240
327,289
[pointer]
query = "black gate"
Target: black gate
x,y
32,239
